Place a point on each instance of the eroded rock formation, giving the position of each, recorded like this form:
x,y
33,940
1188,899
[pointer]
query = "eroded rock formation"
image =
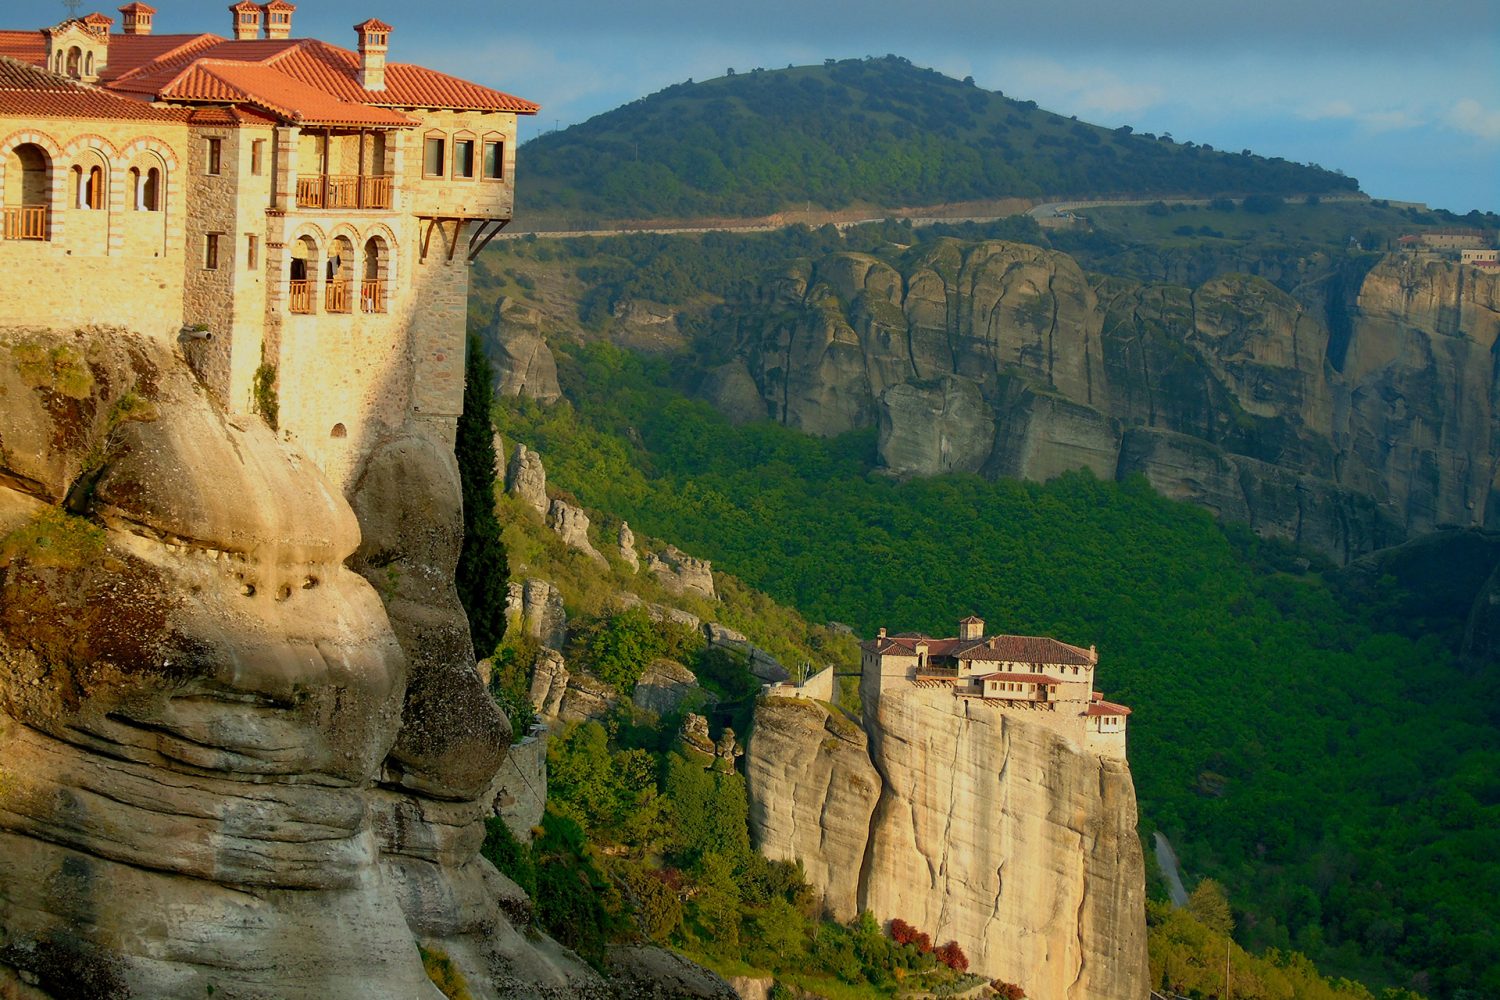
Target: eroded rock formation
x,y
572,525
968,822
812,792
229,764
1343,429
526,479
524,365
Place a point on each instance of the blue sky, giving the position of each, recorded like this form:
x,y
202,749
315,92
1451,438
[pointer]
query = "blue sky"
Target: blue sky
x,y
1403,95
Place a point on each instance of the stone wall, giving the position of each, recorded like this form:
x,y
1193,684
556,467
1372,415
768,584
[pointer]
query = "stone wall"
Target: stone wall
x,y
111,266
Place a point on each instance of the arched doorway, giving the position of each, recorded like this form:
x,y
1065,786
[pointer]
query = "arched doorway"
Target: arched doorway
x,y
304,275
28,179
339,295
373,287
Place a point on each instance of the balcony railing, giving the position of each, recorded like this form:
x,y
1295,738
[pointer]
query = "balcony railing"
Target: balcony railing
x,y
372,295
301,300
344,191
336,297
25,222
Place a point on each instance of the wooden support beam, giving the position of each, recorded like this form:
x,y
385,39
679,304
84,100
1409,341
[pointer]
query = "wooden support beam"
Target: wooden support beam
x,y
483,238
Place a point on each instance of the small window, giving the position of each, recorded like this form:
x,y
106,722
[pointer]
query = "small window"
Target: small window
x,y
151,190
257,156
463,158
215,155
211,251
494,161
252,251
433,153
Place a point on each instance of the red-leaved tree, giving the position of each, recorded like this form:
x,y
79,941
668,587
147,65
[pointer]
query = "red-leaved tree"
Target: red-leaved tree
x,y
902,932
953,957
1008,991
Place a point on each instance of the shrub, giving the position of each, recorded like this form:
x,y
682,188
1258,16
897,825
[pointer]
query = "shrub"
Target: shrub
x,y
952,956
512,858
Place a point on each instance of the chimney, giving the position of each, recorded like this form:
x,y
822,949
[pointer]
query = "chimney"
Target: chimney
x,y
881,634
98,24
373,38
279,19
246,21
137,18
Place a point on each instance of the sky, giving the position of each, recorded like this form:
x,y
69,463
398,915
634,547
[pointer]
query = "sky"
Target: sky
x,y
1403,95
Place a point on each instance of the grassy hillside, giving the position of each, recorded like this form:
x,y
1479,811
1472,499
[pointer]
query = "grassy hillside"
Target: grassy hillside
x,y
880,132
1340,779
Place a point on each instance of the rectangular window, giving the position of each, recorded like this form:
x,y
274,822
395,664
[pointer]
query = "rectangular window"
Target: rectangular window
x,y
463,158
252,251
494,161
215,155
432,157
211,252
257,156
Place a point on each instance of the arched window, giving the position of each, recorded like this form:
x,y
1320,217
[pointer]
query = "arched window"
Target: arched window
x,y
338,298
339,431
151,190
75,62
372,292
27,189
304,275
90,180
88,64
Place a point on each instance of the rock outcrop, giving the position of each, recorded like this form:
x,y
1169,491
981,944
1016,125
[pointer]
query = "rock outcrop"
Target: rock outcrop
x,y
229,764
681,573
1344,429
520,789
666,686
812,792
536,607
524,365
1019,844
967,821
549,683
626,541
526,479
572,525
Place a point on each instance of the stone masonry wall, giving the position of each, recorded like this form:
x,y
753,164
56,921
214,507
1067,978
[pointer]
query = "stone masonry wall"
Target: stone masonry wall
x,y
112,266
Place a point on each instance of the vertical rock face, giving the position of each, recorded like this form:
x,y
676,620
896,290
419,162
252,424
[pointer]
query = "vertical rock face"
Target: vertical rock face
x,y
1011,840
229,765
967,822
1007,359
812,791
524,365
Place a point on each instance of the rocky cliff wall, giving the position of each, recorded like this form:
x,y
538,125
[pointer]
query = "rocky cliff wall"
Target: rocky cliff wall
x,y
1008,359
1002,835
229,764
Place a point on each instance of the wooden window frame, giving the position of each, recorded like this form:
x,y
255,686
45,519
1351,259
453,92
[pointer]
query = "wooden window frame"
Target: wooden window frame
x,y
215,156
211,251
498,142
472,141
441,138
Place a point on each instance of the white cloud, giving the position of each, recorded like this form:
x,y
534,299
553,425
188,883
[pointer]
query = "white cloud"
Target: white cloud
x,y
1469,116
1071,90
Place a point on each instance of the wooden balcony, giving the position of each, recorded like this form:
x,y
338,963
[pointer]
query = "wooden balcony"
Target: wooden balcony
x,y
24,222
372,295
336,297
333,191
301,298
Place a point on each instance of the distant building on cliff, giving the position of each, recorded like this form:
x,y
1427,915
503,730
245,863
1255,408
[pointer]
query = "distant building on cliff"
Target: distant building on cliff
x,y
302,216
1048,682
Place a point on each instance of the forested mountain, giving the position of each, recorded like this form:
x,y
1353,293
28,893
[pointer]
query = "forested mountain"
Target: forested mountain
x,y
880,132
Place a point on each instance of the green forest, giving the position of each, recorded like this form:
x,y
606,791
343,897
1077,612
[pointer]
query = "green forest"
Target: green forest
x,y
873,131
1340,780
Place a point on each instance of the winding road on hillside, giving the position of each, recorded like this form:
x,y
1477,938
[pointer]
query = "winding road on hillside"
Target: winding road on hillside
x,y
1044,211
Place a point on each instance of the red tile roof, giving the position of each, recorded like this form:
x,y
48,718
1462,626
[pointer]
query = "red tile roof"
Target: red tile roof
x,y
28,46
1107,708
995,648
300,79
36,93
227,82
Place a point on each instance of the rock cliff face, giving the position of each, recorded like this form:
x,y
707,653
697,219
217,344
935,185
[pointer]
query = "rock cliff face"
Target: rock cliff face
x,y
812,791
1009,360
969,823
229,764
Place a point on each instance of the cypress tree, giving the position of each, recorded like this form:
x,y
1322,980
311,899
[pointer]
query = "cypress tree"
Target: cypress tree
x,y
481,576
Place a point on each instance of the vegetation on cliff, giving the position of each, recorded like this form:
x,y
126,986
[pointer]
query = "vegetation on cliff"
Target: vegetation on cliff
x,y
481,561
875,131
1337,777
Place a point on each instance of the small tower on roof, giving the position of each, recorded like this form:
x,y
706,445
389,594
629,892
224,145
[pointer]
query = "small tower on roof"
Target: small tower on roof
x,y
246,18
279,19
374,37
971,627
137,18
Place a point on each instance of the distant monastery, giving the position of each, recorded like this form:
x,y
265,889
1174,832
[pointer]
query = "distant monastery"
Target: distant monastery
x,y
298,216
1051,682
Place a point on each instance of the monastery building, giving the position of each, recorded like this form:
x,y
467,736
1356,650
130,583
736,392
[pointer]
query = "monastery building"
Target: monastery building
x,y
1048,682
298,216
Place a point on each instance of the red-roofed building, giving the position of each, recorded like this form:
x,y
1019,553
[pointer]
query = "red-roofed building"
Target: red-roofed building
x,y
1050,682
307,213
